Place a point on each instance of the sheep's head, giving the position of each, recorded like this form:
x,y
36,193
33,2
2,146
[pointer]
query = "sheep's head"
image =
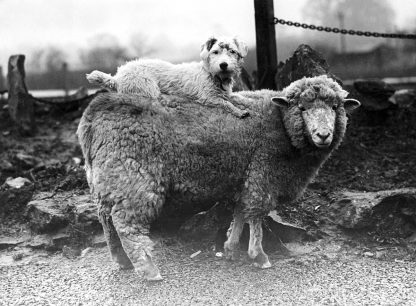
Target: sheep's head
x,y
314,108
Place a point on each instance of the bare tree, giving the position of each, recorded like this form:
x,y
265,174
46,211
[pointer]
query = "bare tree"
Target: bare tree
x,y
140,45
46,59
105,53
368,15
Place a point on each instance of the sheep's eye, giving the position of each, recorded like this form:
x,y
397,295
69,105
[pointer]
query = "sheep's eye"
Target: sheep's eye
x,y
232,52
301,107
215,52
334,107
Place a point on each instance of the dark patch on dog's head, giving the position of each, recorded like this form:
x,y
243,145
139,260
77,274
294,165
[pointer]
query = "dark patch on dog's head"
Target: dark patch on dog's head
x,y
210,42
223,45
235,40
241,47
229,48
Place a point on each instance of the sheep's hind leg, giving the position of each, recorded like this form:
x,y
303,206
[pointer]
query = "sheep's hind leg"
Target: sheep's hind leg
x,y
234,234
255,249
136,243
113,242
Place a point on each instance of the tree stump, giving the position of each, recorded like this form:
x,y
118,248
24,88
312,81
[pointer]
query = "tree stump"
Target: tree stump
x,y
305,62
21,103
2,81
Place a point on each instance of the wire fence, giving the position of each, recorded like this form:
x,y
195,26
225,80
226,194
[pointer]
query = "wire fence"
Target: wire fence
x,y
343,31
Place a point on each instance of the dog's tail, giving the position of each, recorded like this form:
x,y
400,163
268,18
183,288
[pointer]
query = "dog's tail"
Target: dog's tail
x,y
102,80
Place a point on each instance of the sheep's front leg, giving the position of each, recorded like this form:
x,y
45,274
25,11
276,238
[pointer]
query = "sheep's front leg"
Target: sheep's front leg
x,y
255,248
234,234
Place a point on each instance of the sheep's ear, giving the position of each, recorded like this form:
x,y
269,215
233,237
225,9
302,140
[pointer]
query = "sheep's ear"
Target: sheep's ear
x,y
206,47
242,47
281,101
351,104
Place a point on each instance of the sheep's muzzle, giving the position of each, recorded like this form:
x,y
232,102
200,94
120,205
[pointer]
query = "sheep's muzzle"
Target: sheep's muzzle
x,y
320,123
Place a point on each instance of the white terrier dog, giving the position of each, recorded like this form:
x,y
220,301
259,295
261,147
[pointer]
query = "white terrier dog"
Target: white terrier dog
x,y
209,82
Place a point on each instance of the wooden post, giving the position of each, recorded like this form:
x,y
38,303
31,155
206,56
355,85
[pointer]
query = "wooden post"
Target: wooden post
x,y
65,78
343,44
21,104
2,80
265,44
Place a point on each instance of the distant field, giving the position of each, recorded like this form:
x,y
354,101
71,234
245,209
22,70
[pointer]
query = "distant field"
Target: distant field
x,y
48,93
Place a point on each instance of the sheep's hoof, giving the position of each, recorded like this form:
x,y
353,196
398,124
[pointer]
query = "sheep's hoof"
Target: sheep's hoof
x,y
232,256
120,257
231,250
262,261
263,266
127,266
154,278
152,274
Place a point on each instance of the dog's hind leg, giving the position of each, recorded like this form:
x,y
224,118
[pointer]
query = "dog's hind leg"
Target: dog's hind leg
x,y
102,80
138,80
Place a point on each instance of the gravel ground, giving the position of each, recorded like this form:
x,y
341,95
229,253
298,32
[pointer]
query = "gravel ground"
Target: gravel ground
x,y
338,279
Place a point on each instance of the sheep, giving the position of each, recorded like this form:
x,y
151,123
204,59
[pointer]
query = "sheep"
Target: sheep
x,y
138,154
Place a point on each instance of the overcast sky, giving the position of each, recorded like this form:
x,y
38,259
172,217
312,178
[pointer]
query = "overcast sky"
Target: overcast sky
x,y
178,25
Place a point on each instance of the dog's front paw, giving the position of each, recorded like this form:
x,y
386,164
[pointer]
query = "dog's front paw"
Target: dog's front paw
x,y
243,114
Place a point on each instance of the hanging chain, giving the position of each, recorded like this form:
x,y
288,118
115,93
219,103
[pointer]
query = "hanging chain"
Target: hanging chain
x,y
342,31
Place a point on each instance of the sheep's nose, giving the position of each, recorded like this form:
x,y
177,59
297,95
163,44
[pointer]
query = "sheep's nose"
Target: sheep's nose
x,y
323,136
223,66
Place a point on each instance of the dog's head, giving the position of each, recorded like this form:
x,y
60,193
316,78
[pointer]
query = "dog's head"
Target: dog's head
x,y
222,57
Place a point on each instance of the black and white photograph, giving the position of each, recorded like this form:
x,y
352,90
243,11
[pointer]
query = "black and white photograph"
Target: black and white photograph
x,y
223,152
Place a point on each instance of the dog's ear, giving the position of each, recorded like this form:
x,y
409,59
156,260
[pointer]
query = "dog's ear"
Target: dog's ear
x,y
242,47
206,47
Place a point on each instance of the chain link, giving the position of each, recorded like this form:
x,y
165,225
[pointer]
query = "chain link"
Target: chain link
x,y
343,31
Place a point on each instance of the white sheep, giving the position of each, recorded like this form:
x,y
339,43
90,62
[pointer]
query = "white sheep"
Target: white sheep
x,y
137,155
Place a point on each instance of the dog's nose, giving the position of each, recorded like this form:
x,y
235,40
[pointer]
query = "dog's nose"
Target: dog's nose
x,y
223,66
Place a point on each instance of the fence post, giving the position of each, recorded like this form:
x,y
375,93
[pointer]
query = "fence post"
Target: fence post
x,y
342,38
21,104
2,81
65,78
265,44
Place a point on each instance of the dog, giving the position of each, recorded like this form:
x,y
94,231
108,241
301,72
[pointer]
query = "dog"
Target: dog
x,y
209,81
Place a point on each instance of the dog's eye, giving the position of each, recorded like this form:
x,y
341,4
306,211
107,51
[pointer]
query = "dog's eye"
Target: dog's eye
x,y
301,107
334,107
215,52
232,52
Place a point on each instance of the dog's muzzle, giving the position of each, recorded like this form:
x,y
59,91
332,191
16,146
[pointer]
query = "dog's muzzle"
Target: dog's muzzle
x,y
224,66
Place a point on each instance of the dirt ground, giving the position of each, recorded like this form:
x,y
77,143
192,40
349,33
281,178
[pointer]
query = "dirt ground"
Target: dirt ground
x,y
378,153
333,277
